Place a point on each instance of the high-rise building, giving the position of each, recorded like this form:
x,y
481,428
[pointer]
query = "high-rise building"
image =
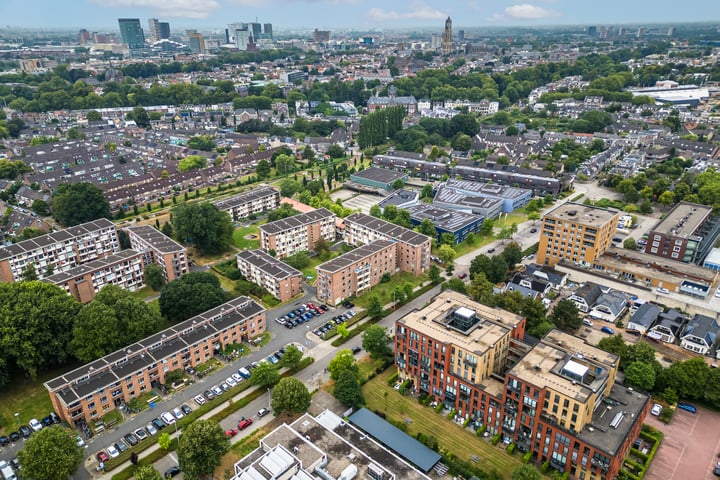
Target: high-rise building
x,y
164,30
197,42
131,33
242,39
321,35
255,28
153,29
83,36
267,29
447,37
461,35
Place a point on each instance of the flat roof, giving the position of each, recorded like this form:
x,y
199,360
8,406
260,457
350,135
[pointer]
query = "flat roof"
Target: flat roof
x,y
652,266
245,197
582,214
156,239
268,264
399,197
397,440
487,189
288,223
382,175
683,220
454,197
92,266
444,218
390,230
54,237
355,255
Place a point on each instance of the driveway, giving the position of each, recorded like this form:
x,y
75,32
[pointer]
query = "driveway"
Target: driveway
x,y
690,447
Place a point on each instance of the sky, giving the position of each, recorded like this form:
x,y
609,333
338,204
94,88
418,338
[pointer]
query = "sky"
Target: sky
x,y
329,14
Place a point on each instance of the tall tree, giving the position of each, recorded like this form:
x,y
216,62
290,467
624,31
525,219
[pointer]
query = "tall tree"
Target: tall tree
x,y
292,357
376,341
375,308
265,375
290,395
526,472
203,225
75,203
203,444
565,315
50,454
640,375
189,295
347,389
344,360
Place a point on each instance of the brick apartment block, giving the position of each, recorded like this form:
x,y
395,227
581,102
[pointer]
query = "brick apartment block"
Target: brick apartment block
x,y
291,235
160,249
280,279
254,202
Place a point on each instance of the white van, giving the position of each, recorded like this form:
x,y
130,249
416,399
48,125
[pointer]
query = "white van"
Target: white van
x,y
7,471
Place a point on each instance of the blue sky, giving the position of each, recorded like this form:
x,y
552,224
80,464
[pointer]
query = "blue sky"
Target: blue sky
x,y
385,14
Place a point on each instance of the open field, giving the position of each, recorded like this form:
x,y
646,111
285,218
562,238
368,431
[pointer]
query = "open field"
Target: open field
x,y
460,441
26,397
243,243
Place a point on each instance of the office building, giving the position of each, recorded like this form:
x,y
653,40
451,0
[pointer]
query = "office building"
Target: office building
x,y
681,234
91,391
280,279
59,251
294,77
124,269
154,30
242,39
486,207
400,199
513,198
447,37
164,30
576,233
321,36
413,248
159,249
355,272
328,447
253,202
445,220
196,41
380,178
255,29
557,399
132,33
268,30
300,233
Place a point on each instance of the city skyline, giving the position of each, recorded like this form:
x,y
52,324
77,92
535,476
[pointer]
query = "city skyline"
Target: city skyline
x,y
291,14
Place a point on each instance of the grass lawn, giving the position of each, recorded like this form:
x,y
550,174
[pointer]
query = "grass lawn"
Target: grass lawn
x,y
27,397
384,290
461,442
515,217
309,271
464,247
145,292
243,243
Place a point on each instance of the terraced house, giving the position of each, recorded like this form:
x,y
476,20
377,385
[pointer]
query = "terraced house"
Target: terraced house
x,y
91,391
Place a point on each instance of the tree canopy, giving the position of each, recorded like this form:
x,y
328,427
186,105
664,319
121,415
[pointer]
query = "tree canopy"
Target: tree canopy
x,y
203,225
376,341
347,389
290,395
50,454
203,444
265,375
76,203
344,360
189,295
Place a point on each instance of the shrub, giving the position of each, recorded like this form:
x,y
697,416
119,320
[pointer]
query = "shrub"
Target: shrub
x,y
392,379
666,415
527,457
452,413
466,422
510,448
481,431
545,467
438,408
495,439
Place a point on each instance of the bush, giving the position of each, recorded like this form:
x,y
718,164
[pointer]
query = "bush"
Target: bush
x,y
481,431
392,379
452,413
510,448
666,414
495,439
438,408
527,457
466,422
545,467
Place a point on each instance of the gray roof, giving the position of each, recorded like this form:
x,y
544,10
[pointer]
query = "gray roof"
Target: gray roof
x,y
395,439
455,197
614,300
399,197
444,218
486,189
92,266
284,224
645,315
590,292
389,230
541,271
156,238
683,220
354,256
702,326
245,197
376,174
268,264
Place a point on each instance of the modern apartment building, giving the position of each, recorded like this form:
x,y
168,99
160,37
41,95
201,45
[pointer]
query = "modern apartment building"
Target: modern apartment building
x,y
131,33
576,233
300,233
458,224
124,269
679,235
277,277
59,251
254,202
91,391
160,249
413,248
356,271
557,399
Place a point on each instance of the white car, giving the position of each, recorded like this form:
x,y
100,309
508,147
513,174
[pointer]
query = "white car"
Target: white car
x,y
35,425
656,409
200,400
230,381
237,377
168,418
217,390
663,290
112,451
588,322
80,442
178,413
717,293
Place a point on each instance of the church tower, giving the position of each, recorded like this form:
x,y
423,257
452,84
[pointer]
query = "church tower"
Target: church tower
x,y
447,37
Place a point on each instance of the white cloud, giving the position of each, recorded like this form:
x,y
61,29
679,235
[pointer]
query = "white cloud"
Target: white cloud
x,y
168,8
416,12
269,3
524,11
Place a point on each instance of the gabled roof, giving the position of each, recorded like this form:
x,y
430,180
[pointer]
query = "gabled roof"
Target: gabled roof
x,y
614,300
589,292
645,315
702,326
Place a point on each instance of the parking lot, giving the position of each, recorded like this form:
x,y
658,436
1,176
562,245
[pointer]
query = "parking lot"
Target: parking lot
x,y
690,448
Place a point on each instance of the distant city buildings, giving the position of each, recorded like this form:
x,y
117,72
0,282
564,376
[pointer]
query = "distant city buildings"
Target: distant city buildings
x,y
321,36
196,41
131,33
447,37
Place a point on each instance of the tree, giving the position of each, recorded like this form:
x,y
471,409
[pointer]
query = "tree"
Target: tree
x,y
526,472
189,295
615,345
427,191
446,238
290,395
335,151
40,207
265,375
630,243
76,203
93,116
192,162
398,184
375,308
164,441
344,360
446,253
347,389
434,273
292,357
147,472
376,341
263,169
154,277
29,273
289,187
203,444
202,142
50,454
342,330
640,375
512,253
565,315
203,225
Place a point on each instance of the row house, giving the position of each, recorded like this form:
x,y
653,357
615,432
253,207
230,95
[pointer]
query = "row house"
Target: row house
x,y
280,279
158,248
299,233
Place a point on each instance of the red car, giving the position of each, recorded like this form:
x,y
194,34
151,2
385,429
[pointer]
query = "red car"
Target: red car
x,y
102,456
244,423
231,433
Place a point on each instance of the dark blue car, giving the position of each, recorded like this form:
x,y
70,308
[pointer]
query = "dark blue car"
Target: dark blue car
x,y
687,407
607,330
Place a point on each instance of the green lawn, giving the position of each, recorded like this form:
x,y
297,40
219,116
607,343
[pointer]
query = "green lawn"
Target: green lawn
x,y
459,441
27,397
243,243
384,290
309,271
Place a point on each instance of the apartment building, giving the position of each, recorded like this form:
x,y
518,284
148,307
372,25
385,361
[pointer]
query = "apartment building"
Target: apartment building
x,y
254,202
356,271
557,399
576,233
300,233
280,279
413,248
159,249
59,251
124,269
91,391
680,234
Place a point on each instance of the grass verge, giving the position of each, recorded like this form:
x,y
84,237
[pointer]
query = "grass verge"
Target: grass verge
x,y
384,291
27,398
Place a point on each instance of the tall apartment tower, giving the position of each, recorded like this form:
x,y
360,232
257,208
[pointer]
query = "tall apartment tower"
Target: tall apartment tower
x,y
197,41
267,29
154,29
164,30
131,33
447,37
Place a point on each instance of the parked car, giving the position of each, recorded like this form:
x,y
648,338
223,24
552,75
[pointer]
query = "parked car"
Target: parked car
x,y
158,423
607,330
25,431
47,421
656,409
4,441
663,290
141,434
237,378
533,230
588,322
356,350
80,442
131,439
151,429
171,472
121,446
178,413
244,373
209,394
36,425
102,456
230,381
231,432
14,436
113,451
168,418
462,275
224,386
217,390
200,400
262,412
687,407
244,423
55,418
490,250
186,409
273,359
348,304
